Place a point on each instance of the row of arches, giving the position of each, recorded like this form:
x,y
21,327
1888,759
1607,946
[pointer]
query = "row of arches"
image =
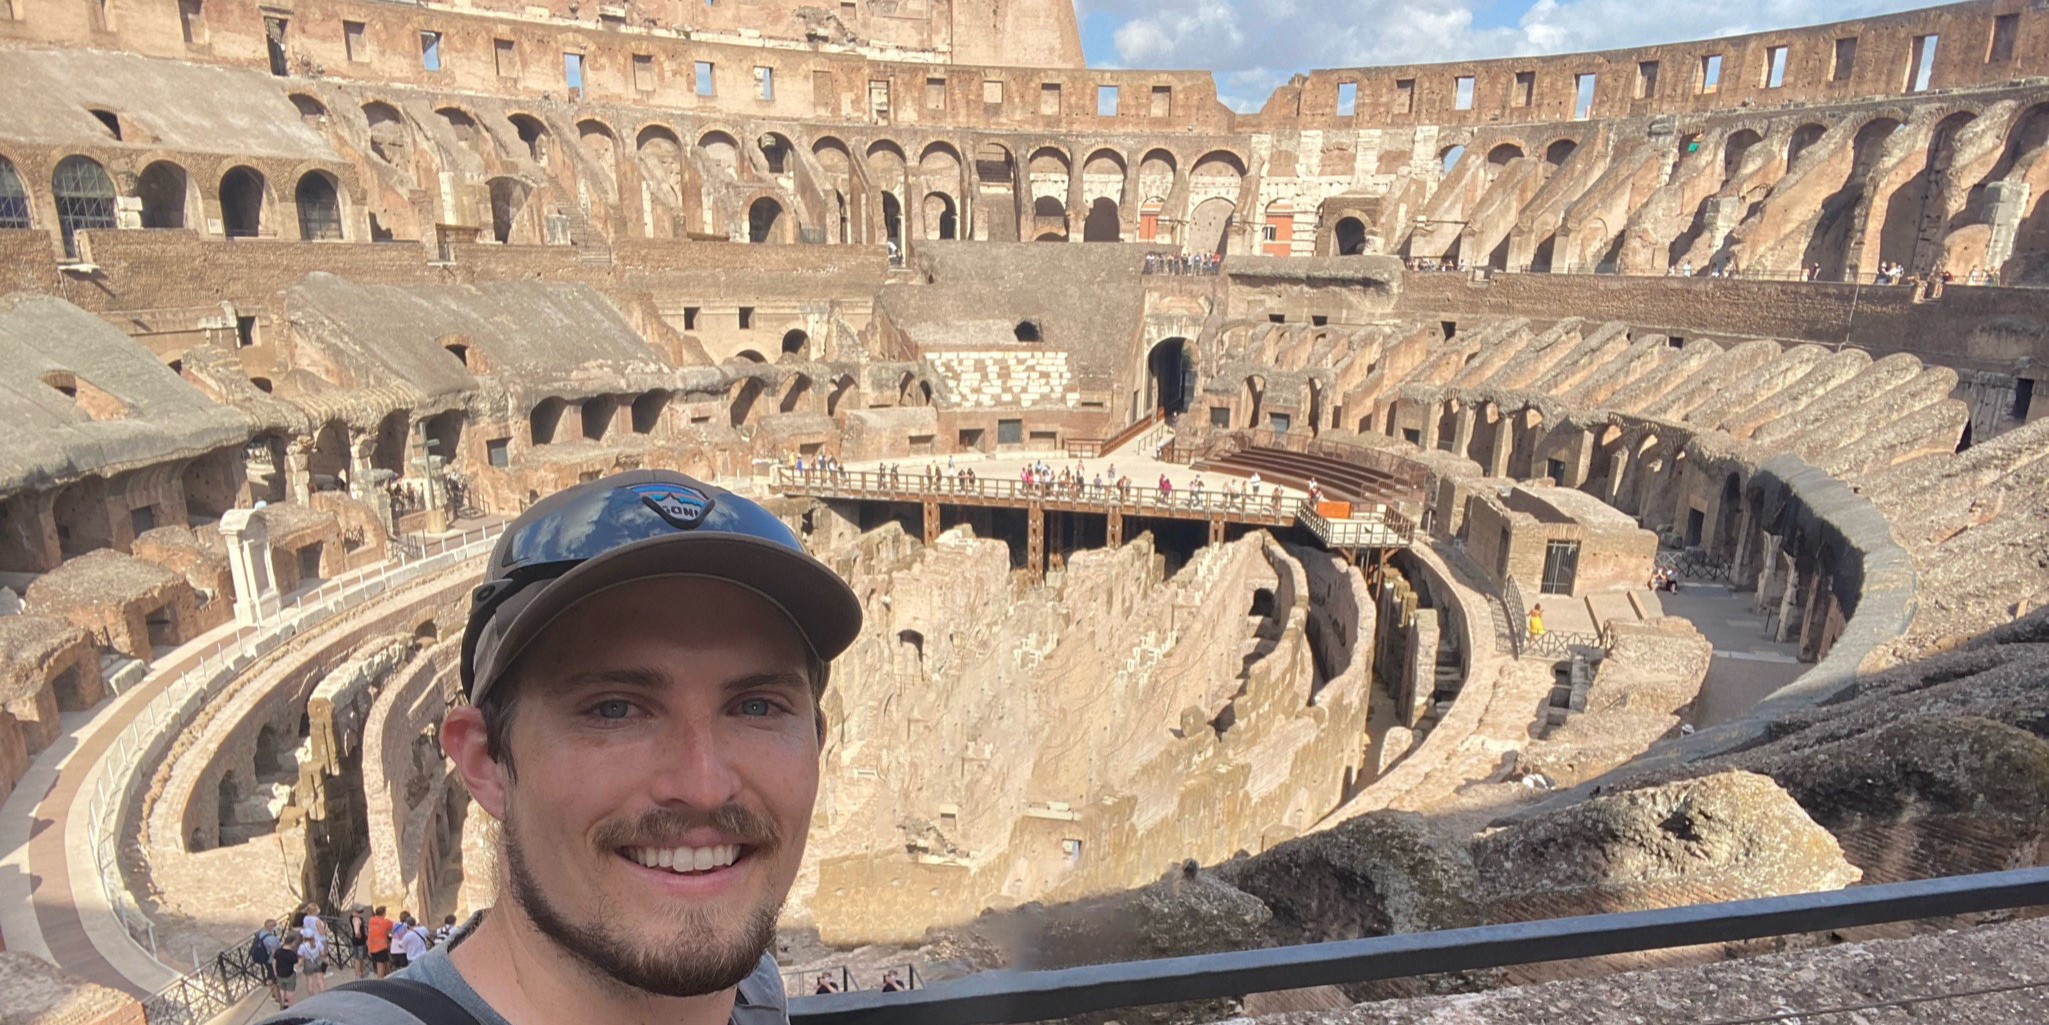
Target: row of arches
x,y
84,198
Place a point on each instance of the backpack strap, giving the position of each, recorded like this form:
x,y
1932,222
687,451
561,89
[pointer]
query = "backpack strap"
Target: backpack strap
x,y
378,1002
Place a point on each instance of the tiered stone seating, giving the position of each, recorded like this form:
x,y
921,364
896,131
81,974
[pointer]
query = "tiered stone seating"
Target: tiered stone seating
x,y
1339,480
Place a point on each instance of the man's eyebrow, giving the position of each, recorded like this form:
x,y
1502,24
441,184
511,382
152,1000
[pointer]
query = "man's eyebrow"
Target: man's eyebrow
x,y
790,679
636,677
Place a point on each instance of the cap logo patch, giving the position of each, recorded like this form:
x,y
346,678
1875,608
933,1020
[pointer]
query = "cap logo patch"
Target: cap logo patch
x,y
683,507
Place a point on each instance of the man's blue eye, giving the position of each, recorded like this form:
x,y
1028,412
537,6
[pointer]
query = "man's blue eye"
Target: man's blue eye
x,y
613,709
756,706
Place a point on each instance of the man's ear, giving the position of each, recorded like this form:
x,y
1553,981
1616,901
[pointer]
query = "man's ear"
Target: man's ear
x,y
466,743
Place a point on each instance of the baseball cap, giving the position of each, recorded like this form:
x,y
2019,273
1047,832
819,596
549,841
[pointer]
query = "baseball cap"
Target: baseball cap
x,y
634,525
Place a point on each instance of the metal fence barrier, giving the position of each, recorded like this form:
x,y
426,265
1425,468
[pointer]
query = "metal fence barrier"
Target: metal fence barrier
x,y
1009,996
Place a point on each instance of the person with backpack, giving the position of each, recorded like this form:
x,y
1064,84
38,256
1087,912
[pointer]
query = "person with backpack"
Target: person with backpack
x,y
262,949
643,673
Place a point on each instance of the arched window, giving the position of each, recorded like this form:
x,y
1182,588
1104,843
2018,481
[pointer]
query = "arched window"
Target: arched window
x,y
319,208
162,189
13,198
763,221
85,199
242,196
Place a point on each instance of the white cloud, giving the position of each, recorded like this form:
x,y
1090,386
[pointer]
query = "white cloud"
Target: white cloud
x,y
1255,45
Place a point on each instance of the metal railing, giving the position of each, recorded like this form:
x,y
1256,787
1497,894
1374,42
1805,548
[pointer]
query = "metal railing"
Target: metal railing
x,y
1694,562
1550,643
1384,529
805,983
992,998
194,679
1130,500
1091,448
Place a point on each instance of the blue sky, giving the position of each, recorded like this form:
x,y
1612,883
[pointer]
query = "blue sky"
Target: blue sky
x,y
1254,45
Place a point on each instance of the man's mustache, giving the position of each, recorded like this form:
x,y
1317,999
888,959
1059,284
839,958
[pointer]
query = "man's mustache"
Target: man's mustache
x,y
661,826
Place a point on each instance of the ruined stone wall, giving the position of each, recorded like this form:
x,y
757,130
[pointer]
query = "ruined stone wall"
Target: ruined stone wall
x,y
1966,327
1252,760
1879,64
405,777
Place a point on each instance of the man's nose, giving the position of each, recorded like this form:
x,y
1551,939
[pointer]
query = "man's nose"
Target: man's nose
x,y
693,765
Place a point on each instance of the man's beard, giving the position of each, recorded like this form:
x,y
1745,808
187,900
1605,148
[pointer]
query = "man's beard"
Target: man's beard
x,y
689,959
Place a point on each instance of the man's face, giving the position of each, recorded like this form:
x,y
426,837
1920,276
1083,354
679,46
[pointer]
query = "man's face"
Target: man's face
x,y
663,766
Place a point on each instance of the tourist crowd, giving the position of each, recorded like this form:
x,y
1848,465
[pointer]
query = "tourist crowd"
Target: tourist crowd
x,y
375,944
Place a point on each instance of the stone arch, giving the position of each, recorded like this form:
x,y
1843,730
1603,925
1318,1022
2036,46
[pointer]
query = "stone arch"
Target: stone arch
x,y
1218,163
1503,153
659,155
464,125
892,217
311,110
1157,161
84,196
796,343
746,394
647,411
1559,151
245,202
1171,375
595,416
842,387
1102,224
1209,228
1801,140
1735,149
318,199
776,150
721,151
165,190
15,207
1448,158
390,141
942,219
1728,514
597,140
508,200
544,420
766,222
796,394
533,134
1349,236
1104,161
1915,213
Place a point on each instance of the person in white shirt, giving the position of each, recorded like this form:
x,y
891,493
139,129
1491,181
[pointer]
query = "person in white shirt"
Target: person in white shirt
x,y
415,944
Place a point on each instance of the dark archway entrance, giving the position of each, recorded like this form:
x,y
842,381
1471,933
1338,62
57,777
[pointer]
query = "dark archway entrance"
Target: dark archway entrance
x,y
1351,236
1171,370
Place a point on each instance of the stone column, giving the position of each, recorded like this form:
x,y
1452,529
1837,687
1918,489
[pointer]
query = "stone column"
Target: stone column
x,y
298,469
2008,202
1462,431
248,537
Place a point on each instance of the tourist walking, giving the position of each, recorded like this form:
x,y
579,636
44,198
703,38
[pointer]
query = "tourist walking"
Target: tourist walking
x,y
380,942
359,939
285,967
1536,621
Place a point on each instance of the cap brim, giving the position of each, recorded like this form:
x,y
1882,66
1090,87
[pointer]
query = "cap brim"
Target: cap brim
x,y
818,603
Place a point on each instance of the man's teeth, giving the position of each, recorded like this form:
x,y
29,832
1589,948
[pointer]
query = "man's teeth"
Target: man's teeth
x,y
685,859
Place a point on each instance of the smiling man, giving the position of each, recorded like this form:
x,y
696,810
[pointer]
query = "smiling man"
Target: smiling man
x,y
643,663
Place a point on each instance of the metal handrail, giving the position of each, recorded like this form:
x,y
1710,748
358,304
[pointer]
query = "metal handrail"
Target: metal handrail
x,y
1134,499
993,998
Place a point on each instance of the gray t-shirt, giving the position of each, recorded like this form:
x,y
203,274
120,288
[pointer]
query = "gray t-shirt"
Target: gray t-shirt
x,y
760,1000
